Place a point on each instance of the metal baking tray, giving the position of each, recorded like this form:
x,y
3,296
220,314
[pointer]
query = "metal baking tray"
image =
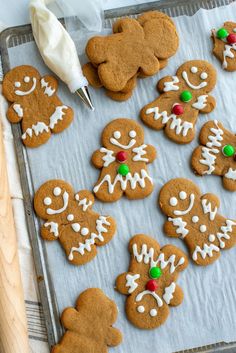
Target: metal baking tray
x,y
16,36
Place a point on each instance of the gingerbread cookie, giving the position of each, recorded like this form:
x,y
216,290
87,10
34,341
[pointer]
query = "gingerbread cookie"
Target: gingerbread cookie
x,y
135,46
216,153
36,104
150,283
89,326
123,160
70,219
224,41
182,98
193,217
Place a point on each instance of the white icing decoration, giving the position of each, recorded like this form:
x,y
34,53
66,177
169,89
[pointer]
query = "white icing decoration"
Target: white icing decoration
x,y
117,134
57,115
153,312
202,228
114,141
53,228
206,251
26,79
182,195
178,222
84,231
134,180
75,227
139,153
140,309
85,203
211,238
194,69
132,134
227,53
183,212
153,294
17,84
48,90
18,109
108,158
63,208
100,222
231,174
208,152
185,77
195,219
169,291
37,129
203,75
70,217
25,93
146,256
206,205
130,282
173,201
201,102
224,232
180,127
171,86
47,201
57,191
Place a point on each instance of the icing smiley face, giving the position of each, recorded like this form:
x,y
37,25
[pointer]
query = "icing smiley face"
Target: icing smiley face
x,y
174,201
26,80
117,135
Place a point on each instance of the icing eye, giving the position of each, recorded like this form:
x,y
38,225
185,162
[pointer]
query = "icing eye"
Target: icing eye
x,y
70,217
132,133
57,191
173,201
117,134
47,201
26,79
17,84
84,231
195,219
140,309
202,228
153,312
203,75
194,69
182,195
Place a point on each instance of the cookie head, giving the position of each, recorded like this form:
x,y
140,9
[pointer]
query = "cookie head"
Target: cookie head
x,y
20,82
177,197
197,75
122,134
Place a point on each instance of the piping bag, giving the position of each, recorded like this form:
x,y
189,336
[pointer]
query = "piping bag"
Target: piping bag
x,y
58,49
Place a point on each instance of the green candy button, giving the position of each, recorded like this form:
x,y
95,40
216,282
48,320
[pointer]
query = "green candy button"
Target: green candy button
x,y
222,33
186,96
155,272
123,169
228,150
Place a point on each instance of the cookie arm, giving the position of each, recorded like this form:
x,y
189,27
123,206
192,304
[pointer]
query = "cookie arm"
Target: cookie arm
x,y
210,105
212,200
122,283
70,319
15,113
170,229
99,156
85,199
162,84
114,337
178,296
50,230
49,85
150,153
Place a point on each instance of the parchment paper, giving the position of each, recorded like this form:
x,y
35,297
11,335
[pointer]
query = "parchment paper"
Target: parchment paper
x,y
207,314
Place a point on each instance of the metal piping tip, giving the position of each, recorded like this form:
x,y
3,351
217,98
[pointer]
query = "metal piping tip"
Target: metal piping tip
x,y
83,93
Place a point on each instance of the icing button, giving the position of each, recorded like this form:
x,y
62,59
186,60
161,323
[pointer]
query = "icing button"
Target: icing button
x,y
202,228
211,238
151,285
121,156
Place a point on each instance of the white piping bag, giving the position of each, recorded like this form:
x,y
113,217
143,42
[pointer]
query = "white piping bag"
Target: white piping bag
x,y
58,49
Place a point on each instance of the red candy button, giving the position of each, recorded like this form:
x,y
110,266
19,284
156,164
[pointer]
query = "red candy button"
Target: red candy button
x,y
177,109
121,156
231,38
151,285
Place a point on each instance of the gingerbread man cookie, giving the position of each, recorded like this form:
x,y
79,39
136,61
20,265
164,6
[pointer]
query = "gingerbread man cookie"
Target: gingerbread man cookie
x,y
150,283
182,98
216,153
123,161
70,219
135,46
224,41
36,104
89,326
193,217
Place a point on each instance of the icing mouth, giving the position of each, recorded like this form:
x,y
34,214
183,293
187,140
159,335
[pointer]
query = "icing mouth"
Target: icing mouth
x,y
180,212
62,209
185,77
25,93
132,142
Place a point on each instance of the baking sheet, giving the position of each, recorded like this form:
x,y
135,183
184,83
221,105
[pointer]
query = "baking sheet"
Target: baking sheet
x,y
207,314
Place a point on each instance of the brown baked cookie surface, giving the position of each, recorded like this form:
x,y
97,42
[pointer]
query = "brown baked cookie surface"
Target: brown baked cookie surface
x,y
36,104
216,153
89,325
182,98
70,219
194,218
150,282
224,45
123,160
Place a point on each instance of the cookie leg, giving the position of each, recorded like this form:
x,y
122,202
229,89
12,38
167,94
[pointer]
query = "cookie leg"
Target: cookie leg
x,y
205,254
61,118
229,180
139,192
179,131
35,135
106,193
199,161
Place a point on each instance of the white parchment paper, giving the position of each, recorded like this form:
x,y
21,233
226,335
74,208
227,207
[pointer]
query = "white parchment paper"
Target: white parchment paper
x,y
208,313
